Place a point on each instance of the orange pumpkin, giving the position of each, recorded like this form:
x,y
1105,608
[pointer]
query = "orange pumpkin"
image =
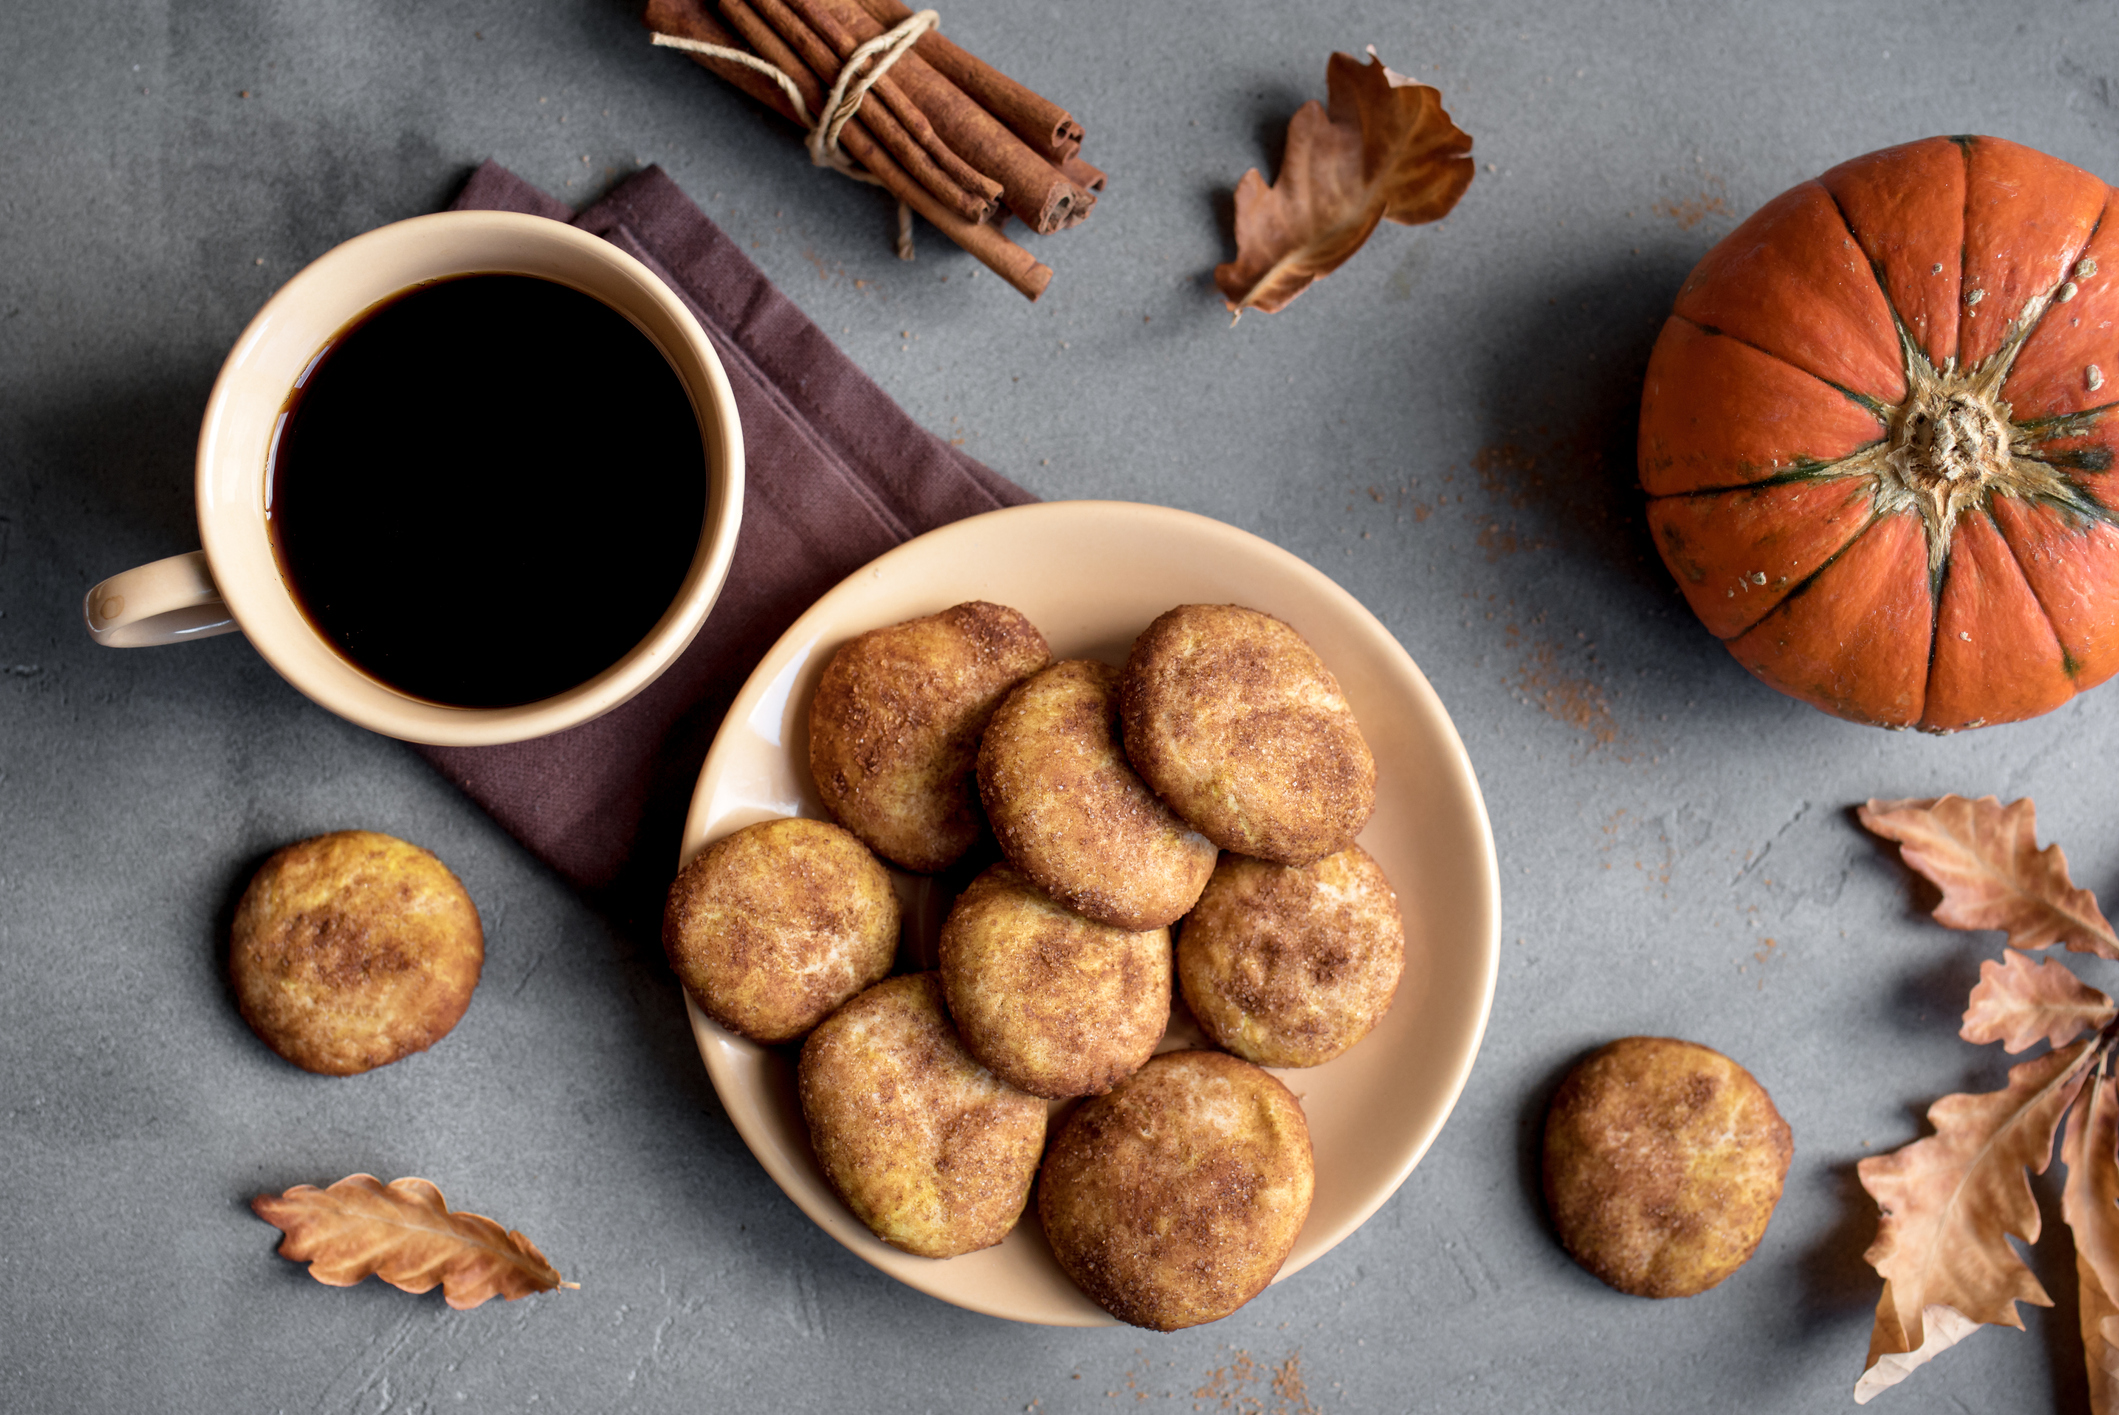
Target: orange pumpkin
x,y
1878,431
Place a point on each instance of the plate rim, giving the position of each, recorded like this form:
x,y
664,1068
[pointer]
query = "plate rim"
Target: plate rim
x,y
840,1225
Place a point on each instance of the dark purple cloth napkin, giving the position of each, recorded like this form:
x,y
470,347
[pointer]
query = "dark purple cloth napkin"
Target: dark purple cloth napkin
x,y
835,474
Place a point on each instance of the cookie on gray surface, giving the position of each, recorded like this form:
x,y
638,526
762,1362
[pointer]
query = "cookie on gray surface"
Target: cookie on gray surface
x,y
1663,1162
354,949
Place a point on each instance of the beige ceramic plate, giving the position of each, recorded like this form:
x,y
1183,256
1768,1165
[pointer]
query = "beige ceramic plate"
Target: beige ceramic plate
x,y
1092,575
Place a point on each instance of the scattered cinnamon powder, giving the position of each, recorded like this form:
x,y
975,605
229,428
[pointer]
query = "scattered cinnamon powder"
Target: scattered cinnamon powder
x,y
1693,210
1508,471
1245,1385
1557,473
1581,703
1497,541
825,272
1288,1386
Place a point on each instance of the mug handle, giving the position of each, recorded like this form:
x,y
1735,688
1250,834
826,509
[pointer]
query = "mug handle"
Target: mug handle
x,y
167,602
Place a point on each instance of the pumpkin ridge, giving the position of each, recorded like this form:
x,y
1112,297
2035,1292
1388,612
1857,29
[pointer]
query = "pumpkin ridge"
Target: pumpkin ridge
x,y
1963,143
2065,424
1811,471
1862,400
2067,660
1991,611
2077,459
2059,489
2035,312
1938,577
1816,520
1883,286
1786,622
1802,586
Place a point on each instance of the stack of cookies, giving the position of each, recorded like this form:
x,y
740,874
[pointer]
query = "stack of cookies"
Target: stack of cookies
x,y
1210,789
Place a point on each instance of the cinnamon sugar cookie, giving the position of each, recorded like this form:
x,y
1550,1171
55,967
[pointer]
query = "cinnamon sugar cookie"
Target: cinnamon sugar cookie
x,y
894,728
353,949
1663,1162
1173,1200
772,927
1290,965
1238,725
1071,813
1053,1003
929,1149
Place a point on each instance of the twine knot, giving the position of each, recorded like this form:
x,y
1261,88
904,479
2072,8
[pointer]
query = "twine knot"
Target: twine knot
x,y
856,77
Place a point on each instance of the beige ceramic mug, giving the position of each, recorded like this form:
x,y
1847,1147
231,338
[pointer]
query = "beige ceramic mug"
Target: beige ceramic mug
x,y
235,582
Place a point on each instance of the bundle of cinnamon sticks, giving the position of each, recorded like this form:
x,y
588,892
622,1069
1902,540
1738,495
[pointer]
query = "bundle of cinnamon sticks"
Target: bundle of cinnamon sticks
x,y
951,137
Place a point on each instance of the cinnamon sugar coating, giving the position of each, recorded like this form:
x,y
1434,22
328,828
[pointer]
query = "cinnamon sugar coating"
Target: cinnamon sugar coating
x,y
1290,965
353,949
894,728
1072,814
772,927
1053,1003
1174,1200
929,1149
1663,1162
1237,724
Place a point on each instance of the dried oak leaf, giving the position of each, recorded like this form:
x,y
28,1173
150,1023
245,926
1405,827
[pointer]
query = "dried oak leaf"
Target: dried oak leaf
x,y
1948,1205
404,1233
1985,858
2090,1204
1384,150
2020,1002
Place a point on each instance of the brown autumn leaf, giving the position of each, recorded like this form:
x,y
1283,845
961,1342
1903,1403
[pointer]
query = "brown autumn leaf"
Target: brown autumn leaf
x,y
1942,1326
1384,150
2100,1341
1949,1204
2090,1205
1985,858
404,1233
2019,1002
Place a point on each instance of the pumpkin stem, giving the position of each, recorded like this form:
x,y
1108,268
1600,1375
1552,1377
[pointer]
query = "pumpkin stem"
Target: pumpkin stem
x,y
1953,439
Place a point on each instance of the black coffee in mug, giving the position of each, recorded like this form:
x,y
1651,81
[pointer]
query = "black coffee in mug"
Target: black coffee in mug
x,y
487,489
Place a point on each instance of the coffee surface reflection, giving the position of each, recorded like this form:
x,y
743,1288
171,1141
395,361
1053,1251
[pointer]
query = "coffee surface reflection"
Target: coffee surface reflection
x,y
487,490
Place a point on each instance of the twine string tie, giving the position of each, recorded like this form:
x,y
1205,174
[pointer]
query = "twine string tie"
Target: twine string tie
x,y
856,77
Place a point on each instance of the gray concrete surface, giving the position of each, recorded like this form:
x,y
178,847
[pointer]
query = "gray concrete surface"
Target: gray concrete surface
x,y
1676,841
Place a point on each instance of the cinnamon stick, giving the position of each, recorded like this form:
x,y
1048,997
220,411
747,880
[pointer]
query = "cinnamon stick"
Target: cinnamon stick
x,y
1048,128
824,59
689,19
980,240
770,40
787,31
1089,179
1033,188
